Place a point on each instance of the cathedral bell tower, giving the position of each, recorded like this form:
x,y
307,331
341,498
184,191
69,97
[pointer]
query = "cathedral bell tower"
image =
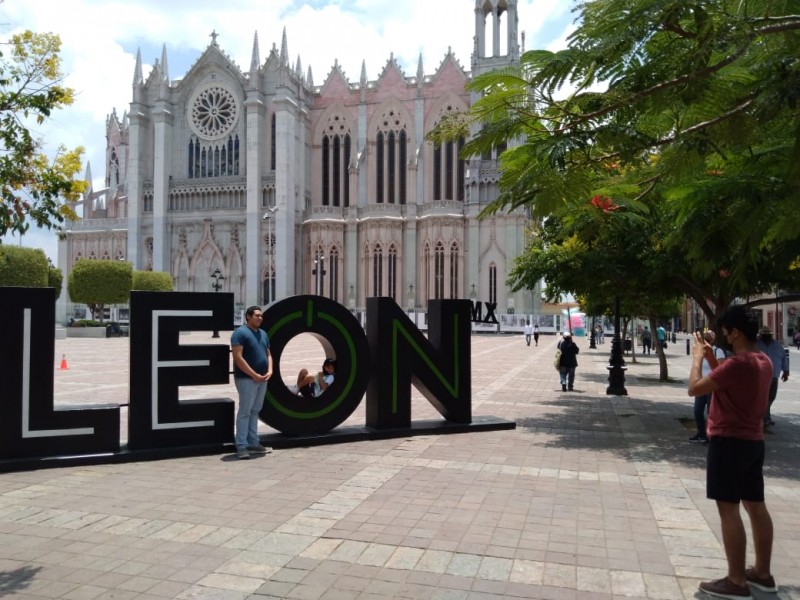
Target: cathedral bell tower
x,y
496,42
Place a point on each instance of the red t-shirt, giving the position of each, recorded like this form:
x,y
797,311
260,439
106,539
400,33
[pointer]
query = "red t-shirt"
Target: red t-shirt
x,y
740,401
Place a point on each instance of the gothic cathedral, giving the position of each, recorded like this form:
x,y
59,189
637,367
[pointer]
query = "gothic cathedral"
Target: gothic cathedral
x,y
273,186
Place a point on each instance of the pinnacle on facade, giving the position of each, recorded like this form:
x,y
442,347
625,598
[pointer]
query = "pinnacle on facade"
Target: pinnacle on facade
x,y
363,73
87,177
284,49
164,67
137,70
310,77
420,70
255,60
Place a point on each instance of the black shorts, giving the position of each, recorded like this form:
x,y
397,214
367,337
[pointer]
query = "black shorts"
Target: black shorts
x,y
735,470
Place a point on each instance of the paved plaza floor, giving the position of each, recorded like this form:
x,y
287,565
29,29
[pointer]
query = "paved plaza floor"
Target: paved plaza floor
x,y
590,497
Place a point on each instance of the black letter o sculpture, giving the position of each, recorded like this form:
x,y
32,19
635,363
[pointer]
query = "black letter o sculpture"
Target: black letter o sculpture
x,y
342,337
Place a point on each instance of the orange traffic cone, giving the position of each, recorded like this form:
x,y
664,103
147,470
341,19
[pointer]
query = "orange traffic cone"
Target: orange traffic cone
x,y
63,366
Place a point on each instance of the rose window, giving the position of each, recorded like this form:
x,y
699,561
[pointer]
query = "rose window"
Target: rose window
x,y
214,112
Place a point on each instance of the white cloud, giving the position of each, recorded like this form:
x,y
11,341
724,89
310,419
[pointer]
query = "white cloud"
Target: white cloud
x,y
99,41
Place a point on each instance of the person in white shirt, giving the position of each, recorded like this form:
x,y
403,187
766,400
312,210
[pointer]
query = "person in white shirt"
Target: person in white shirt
x,y
528,332
310,386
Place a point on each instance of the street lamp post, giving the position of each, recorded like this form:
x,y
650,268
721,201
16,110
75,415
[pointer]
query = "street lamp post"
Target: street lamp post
x,y
269,217
216,286
616,364
592,341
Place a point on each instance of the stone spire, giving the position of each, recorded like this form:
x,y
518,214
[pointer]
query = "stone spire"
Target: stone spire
x,y
298,69
420,72
88,177
137,70
363,73
255,60
310,78
284,49
164,67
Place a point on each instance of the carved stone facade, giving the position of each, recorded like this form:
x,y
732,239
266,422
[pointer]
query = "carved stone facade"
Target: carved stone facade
x,y
288,187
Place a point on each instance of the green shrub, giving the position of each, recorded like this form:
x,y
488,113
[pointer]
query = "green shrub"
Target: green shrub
x,y
55,279
152,281
23,267
97,283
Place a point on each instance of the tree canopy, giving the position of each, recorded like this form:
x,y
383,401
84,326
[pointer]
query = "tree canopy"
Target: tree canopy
x,y
681,126
98,283
33,188
153,281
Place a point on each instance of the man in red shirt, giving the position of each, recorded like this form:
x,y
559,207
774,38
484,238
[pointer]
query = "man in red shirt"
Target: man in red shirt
x,y
740,387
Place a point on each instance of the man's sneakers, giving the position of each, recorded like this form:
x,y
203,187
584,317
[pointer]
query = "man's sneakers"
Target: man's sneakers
x,y
245,453
765,584
725,588
698,439
259,449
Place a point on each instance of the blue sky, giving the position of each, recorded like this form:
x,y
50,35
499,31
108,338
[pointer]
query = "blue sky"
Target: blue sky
x,y
100,39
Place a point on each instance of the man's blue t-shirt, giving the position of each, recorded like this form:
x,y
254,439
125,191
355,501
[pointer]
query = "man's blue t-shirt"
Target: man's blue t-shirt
x,y
254,349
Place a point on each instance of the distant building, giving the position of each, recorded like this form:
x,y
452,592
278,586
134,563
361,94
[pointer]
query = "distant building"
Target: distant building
x,y
288,187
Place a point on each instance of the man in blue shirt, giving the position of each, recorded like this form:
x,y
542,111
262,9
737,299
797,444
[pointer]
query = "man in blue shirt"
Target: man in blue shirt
x,y
780,362
252,368
661,335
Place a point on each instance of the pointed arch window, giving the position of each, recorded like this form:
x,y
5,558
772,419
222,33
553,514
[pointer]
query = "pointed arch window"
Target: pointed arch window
x,y
392,273
448,171
454,287
379,174
272,142
326,171
426,259
336,162
377,271
337,170
391,158
333,274
438,275
493,283
213,160
114,168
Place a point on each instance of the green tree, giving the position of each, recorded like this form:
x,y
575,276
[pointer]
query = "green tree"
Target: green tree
x,y
23,267
98,283
55,278
153,281
33,188
696,133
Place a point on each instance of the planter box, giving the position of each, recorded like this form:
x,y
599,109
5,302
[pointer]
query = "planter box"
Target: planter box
x,y
86,332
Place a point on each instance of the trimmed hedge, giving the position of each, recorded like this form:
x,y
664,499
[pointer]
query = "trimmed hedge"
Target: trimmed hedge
x,y
23,267
152,281
97,283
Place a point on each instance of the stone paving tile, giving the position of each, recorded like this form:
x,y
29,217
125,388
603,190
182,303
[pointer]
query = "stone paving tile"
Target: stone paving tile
x,y
590,497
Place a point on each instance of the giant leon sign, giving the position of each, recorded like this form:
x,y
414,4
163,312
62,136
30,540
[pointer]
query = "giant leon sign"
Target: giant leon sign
x,y
384,363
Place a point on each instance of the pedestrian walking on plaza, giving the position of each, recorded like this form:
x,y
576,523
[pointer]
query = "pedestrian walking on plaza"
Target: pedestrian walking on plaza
x,y
647,340
734,472
780,363
568,361
528,332
536,334
252,368
703,402
661,335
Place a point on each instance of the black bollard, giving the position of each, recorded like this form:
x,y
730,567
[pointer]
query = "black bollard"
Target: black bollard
x,y
688,350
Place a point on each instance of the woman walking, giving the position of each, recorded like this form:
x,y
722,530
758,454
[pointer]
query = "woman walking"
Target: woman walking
x,y
568,362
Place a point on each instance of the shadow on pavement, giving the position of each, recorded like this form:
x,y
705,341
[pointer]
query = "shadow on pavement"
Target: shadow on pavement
x,y
17,580
641,428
